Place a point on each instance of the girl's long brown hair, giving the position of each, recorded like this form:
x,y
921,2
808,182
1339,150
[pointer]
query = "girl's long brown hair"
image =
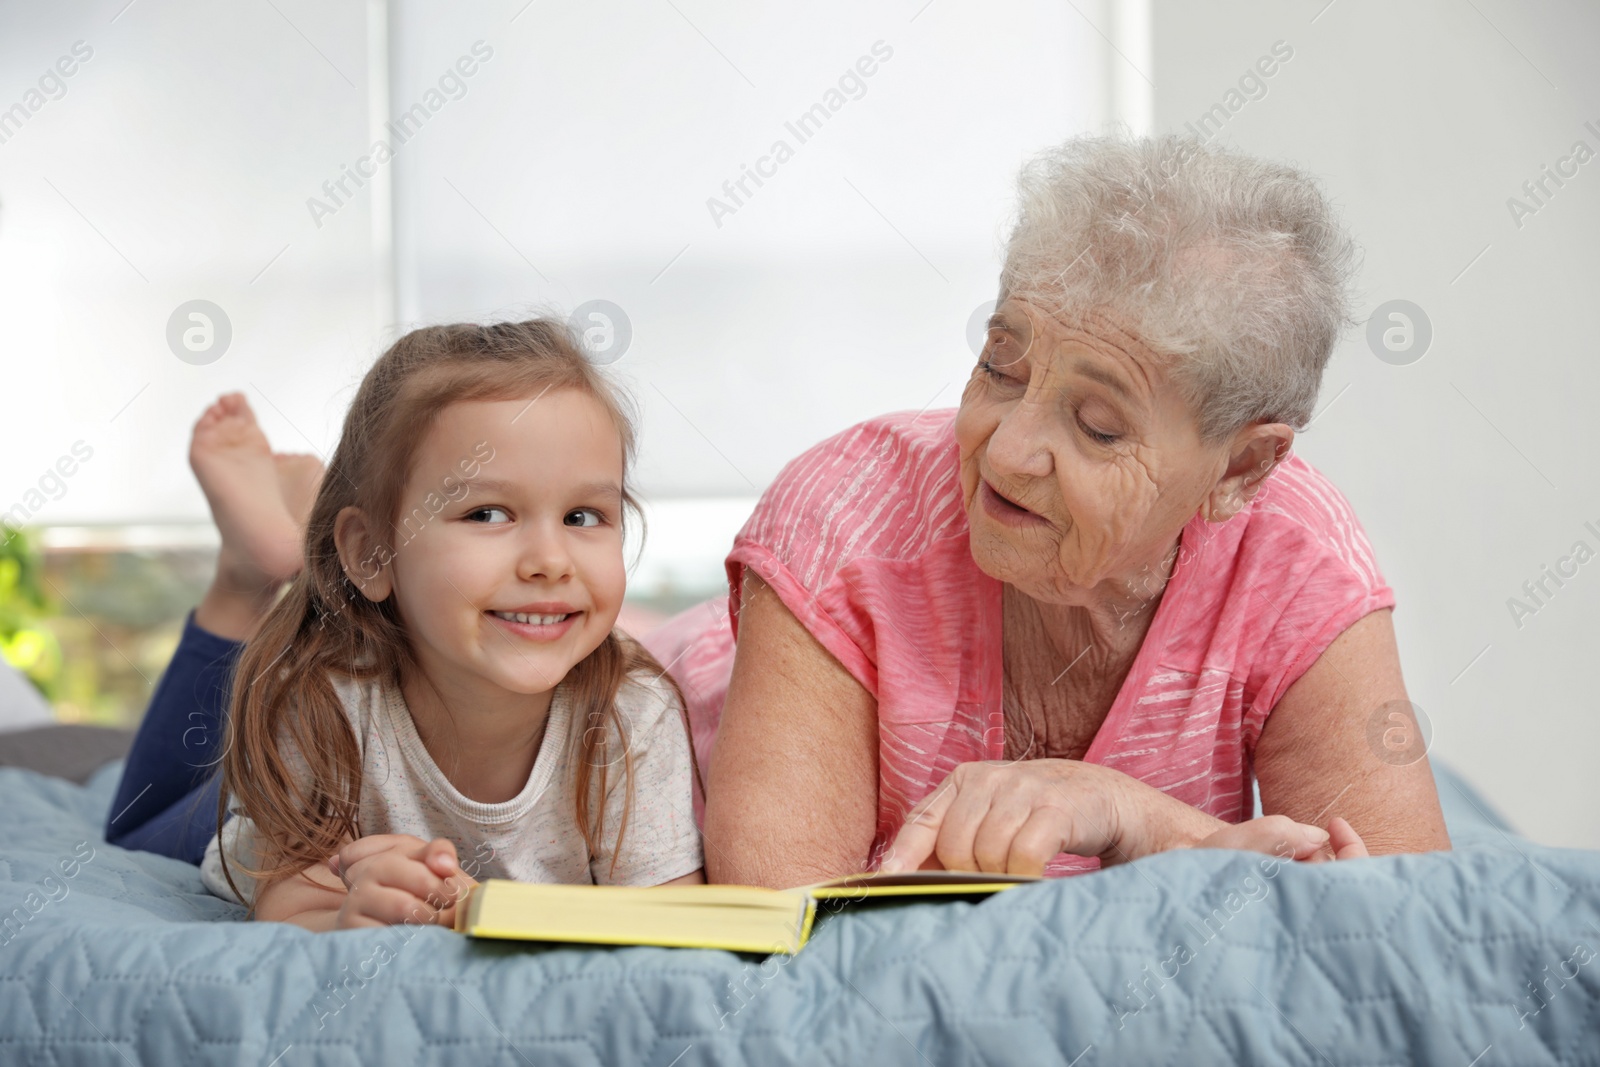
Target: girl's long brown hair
x,y
321,627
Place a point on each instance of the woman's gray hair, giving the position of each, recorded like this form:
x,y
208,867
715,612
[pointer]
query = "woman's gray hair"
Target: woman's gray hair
x,y
1234,269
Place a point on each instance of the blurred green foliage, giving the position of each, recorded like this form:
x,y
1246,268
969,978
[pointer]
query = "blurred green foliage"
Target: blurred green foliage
x,y
25,642
94,628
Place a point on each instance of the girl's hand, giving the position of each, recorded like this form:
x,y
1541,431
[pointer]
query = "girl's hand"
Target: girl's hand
x,y
397,878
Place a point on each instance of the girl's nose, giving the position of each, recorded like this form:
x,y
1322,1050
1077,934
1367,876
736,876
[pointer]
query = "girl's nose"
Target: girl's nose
x,y
544,554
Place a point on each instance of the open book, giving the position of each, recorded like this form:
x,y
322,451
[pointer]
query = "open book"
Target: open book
x,y
739,918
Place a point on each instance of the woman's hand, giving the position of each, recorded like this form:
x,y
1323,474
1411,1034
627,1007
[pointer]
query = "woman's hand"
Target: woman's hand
x,y
1287,839
397,878
1013,818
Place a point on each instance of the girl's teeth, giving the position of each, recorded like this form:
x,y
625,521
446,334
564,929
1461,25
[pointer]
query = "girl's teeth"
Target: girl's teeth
x,y
537,620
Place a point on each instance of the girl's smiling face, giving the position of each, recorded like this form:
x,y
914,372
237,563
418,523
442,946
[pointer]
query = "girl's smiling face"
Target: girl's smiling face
x,y
516,580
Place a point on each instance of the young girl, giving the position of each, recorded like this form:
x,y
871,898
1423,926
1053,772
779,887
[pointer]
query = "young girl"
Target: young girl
x,y
440,695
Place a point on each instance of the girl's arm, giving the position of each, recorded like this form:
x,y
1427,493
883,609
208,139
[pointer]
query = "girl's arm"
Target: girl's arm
x,y
310,899
381,880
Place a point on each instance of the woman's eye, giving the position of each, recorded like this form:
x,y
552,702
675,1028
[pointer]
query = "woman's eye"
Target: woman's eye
x,y
477,515
1003,349
1102,438
584,517
992,370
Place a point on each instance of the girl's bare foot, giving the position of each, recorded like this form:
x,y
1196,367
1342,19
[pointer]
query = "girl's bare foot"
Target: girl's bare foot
x,y
261,538
299,478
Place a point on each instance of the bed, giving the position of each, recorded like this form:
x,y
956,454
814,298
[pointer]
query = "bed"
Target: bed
x,y
1487,955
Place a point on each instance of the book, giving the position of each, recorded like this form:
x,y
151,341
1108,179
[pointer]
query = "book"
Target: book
x,y
739,918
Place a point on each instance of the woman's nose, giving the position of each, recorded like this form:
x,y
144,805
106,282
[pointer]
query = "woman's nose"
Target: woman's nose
x,y
1020,444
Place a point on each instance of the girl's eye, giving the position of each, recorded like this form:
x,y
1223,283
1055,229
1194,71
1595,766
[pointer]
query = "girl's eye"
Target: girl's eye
x,y
474,516
584,517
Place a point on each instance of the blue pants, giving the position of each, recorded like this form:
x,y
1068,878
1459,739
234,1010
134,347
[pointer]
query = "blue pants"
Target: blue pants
x,y
167,800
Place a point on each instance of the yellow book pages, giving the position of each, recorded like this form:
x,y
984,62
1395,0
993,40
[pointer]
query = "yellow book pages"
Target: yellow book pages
x,y
736,918
733,917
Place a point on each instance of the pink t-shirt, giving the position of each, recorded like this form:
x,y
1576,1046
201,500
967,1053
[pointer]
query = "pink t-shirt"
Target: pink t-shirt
x,y
864,538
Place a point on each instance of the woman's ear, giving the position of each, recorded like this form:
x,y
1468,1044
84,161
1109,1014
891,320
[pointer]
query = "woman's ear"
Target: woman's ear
x,y
365,559
1252,454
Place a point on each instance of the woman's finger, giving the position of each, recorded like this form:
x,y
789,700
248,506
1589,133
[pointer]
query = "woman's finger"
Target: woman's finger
x,y
1294,840
995,836
1345,842
1276,835
1036,843
916,840
958,830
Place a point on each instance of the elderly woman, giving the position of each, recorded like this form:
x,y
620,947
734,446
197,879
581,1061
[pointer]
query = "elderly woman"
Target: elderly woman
x,y
1068,623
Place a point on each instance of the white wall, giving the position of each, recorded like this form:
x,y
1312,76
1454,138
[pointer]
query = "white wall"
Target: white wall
x,y
175,166
583,164
1473,467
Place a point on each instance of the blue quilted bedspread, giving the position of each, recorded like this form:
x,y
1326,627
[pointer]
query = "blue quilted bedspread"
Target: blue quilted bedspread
x,y
1487,955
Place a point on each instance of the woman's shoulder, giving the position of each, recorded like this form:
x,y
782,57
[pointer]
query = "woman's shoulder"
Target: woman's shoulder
x,y
886,487
1291,577
1279,581
1300,513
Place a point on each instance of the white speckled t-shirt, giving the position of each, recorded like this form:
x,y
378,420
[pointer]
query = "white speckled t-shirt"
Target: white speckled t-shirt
x,y
533,837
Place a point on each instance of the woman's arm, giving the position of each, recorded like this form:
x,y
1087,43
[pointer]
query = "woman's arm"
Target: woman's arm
x,y
792,791
1342,742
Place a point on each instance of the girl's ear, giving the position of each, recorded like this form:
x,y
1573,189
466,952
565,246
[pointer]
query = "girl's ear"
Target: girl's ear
x,y
365,559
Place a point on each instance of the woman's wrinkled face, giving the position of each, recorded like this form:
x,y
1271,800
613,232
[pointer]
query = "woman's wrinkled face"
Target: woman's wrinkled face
x,y
1080,461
